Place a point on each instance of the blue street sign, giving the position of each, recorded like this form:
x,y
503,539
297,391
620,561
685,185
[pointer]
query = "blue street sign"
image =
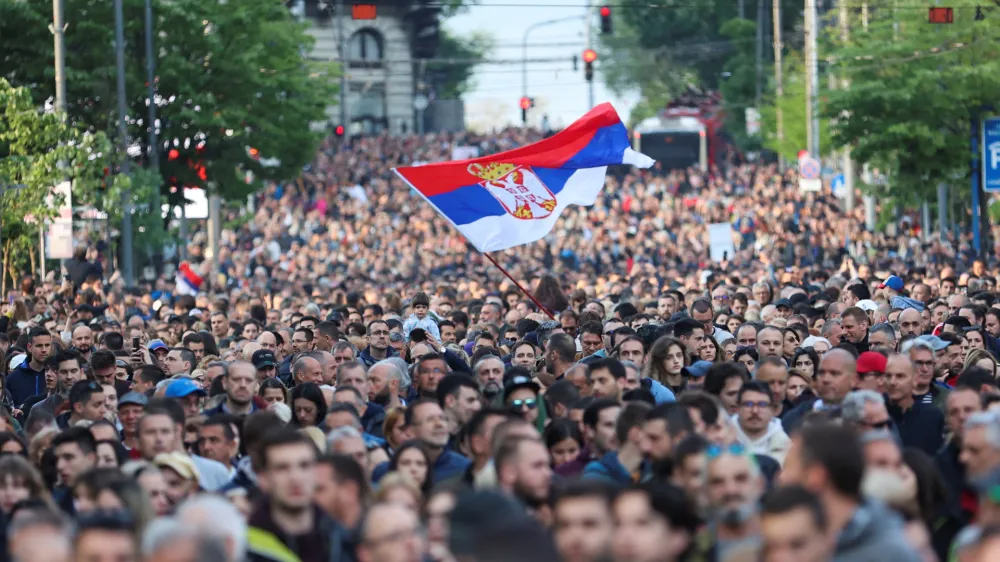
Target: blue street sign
x,y
990,157
837,184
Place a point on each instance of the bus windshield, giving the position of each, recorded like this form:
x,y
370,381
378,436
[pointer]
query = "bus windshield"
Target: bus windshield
x,y
673,150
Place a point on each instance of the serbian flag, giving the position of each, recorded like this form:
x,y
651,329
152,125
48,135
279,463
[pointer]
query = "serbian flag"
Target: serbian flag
x,y
515,197
188,281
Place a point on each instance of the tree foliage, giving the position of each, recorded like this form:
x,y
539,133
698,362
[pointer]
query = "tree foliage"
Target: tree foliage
x,y
793,112
914,90
230,77
457,76
38,151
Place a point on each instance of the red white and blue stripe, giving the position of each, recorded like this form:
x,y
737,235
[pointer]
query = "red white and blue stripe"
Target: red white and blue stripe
x,y
188,281
515,197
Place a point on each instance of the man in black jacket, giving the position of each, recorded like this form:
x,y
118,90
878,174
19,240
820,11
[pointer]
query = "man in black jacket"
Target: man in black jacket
x,y
920,425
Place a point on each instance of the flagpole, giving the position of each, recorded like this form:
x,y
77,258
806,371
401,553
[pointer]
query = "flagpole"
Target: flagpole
x,y
523,290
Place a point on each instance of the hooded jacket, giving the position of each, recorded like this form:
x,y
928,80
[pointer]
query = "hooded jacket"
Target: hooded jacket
x,y
660,393
874,534
24,382
774,443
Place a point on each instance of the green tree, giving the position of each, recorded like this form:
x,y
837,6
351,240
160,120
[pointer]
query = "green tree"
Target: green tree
x,y
793,111
457,75
37,151
231,77
914,90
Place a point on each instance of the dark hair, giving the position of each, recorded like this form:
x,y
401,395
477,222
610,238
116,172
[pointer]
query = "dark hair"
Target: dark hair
x,y
550,294
268,383
478,420
311,392
70,355
82,391
425,486
420,298
225,421
613,366
632,416
100,359
151,374
675,416
170,406
453,384
7,437
838,451
592,328
693,444
670,503
560,430
931,489
756,386
564,346
114,341
975,377
708,405
279,437
785,499
121,455
719,373
812,355
590,488
346,469
686,326
79,435
593,412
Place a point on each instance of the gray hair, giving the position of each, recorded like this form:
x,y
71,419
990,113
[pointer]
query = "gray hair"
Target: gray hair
x,y
877,435
886,329
852,409
483,360
31,518
633,366
342,345
988,421
167,533
404,381
339,434
395,373
828,326
217,517
909,345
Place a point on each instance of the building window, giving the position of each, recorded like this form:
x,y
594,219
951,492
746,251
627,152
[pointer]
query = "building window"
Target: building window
x,y
365,49
367,105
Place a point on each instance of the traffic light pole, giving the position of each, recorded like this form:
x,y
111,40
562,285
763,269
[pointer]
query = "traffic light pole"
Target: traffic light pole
x,y
524,47
590,34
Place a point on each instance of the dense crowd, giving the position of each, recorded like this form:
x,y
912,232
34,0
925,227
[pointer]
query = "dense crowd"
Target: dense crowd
x,y
357,385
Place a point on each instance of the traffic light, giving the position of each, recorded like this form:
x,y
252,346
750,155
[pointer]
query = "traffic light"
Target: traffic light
x,y
425,22
339,130
526,103
606,27
589,56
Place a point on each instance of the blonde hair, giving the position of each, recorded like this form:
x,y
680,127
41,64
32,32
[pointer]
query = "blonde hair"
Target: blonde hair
x,y
395,480
976,355
316,434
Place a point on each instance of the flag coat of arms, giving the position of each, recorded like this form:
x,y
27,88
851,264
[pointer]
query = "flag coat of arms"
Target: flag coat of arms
x,y
515,197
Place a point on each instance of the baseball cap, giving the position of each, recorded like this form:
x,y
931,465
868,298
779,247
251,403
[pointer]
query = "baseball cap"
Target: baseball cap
x,y
902,303
179,463
783,303
867,305
936,343
156,345
892,282
133,397
871,362
264,358
517,383
697,369
183,387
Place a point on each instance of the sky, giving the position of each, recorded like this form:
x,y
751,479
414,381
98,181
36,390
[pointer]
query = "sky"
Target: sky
x,y
559,92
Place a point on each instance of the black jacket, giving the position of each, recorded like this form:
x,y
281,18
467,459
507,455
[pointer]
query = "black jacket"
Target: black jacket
x,y
328,541
922,426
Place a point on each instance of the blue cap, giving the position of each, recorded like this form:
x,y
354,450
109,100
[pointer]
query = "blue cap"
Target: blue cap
x,y
892,282
183,387
936,343
697,369
155,345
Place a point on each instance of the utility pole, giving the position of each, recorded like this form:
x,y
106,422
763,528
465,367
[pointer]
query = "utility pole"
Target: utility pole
x,y
847,165
812,80
342,51
123,145
759,53
779,88
154,150
590,25
57,28
741,8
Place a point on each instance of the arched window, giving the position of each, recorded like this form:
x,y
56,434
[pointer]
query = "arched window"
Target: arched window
x,y
364,50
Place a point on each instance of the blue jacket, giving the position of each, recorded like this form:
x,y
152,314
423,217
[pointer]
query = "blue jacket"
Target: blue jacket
x,y
24,382
448,465
608,469
373,419
661,394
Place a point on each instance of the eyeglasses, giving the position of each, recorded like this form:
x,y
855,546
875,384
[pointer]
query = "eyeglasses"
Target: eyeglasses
x,y
721,297
750,404
529,404
714,451
880,425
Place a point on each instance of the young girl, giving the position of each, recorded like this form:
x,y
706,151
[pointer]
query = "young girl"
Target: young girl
x,y
420,305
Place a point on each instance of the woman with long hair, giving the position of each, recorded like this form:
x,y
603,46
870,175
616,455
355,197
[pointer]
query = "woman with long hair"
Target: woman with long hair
x,y
308,405
550,294
109,489
790,343
414,460
271,390
665,364
20,481
399,488
394,429
806,361
563,440
711,351
982,359
747,356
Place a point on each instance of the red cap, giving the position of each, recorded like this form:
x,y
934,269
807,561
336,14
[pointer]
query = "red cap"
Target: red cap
x,y
871,362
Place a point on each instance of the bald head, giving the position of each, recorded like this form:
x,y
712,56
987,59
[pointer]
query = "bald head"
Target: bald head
x,y
83,337
307,369
910,322
249,349
840,357
836,377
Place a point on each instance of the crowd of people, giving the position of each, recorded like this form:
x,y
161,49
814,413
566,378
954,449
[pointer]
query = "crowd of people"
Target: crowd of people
x,y
355,384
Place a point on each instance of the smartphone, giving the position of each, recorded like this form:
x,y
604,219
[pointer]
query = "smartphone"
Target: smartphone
x,y
135,344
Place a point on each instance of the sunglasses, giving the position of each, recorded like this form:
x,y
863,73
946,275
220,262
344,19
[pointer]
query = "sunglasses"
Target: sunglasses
x,y
762,404
529,404
715,451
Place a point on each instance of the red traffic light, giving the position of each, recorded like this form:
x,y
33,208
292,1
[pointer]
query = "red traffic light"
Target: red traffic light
x,y
339,130
589,55
525,103
605,11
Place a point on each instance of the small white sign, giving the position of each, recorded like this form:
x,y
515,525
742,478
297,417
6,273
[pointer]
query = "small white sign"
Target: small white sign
x,y
720,241
59,243
810,184
463,152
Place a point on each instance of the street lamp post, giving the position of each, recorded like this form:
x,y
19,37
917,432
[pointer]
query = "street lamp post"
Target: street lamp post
x,y
524,47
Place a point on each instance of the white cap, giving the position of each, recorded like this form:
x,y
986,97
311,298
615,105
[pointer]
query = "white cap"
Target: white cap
x,y
867,305
16,361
